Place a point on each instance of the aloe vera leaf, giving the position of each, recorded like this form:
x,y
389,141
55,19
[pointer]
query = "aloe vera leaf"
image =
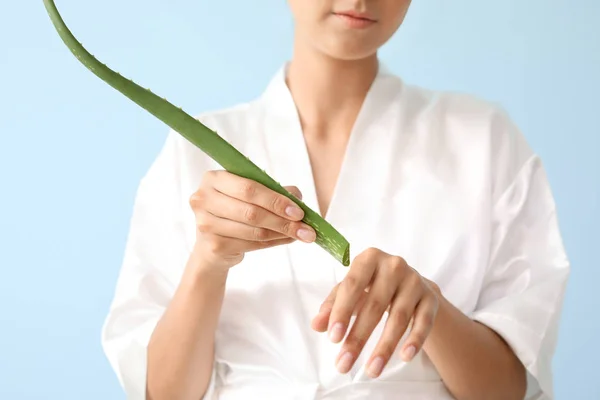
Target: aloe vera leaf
x,y
200,135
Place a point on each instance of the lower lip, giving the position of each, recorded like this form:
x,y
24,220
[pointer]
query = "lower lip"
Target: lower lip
x,y
353,22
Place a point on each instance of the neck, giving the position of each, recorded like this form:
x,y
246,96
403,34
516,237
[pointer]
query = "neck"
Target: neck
x,y
328,93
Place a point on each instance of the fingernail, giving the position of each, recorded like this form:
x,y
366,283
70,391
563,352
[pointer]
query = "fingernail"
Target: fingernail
x,y
306,235
409,353
294,212
336,333
345,363
375,367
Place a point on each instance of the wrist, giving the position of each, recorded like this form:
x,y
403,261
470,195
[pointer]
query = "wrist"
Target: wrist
x,y
202,266
208,255
437,330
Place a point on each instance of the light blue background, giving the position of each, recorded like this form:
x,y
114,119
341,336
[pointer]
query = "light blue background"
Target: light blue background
x,y
72,150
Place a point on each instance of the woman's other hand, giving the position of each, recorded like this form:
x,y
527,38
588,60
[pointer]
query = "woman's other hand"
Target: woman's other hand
x,y
235,215
378,282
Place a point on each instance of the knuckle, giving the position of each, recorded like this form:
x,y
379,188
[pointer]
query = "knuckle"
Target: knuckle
x,y
401,317
251,214
398,269
356,341
415,279
248,189
277,204
397,264
342,313
260,234
429,318
420,283
287,227
419,336
351,284
193,201
375,306
202,223
435,287
369,253
197,199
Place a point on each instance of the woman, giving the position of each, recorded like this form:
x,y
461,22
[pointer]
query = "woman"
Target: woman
x,y
459,272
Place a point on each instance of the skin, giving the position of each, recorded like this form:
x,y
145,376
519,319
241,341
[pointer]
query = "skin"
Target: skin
x,y
233,216
331,70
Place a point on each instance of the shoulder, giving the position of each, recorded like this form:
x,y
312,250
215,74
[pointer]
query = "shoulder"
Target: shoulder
x,y
453,107
469,126
459,115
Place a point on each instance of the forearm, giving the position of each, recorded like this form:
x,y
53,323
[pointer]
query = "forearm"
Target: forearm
x,y
181,350
473,361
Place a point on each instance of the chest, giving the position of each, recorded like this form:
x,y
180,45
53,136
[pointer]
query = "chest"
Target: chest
x,y
326,155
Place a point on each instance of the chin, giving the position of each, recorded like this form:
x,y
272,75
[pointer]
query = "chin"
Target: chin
x,y
351,55
349,50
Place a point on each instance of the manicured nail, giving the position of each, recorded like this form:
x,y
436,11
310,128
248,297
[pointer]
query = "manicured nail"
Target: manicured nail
x,y
409,353
336,333
375,367
294,212
345,363
306,235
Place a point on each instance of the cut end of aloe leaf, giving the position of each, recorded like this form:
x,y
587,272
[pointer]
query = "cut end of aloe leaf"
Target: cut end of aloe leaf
x,y
343,254
338,247
346,257
327,236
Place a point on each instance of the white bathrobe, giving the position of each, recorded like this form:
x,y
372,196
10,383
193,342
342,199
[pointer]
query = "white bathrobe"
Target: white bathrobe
x,y
444,180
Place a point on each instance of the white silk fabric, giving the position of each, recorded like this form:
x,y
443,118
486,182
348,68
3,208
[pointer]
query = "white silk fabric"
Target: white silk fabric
x,y
444,180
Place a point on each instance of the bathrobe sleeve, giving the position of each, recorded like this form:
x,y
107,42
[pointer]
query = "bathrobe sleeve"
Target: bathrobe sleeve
x,y
525,283
155,255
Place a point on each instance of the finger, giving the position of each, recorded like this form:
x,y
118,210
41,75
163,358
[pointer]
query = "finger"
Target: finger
x,y
230,208
235,248
209,223
400,315
294,190
252,192
252,246
320,321
380,296
349,293
361,302
422,324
